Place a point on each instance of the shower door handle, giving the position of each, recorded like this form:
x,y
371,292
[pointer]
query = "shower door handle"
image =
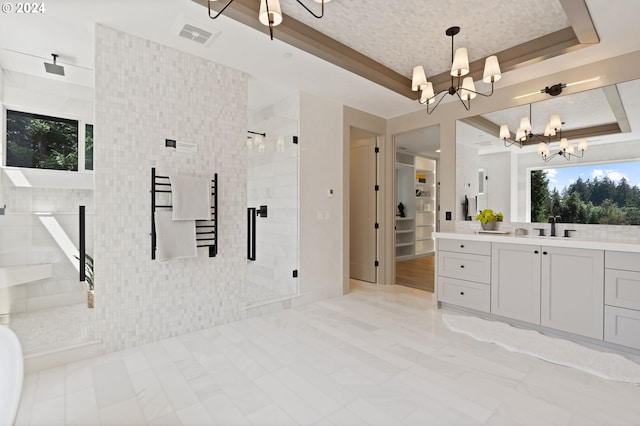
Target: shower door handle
x,y
82,243
251,233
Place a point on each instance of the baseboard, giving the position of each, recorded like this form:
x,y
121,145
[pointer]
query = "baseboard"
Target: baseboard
x,y
37,361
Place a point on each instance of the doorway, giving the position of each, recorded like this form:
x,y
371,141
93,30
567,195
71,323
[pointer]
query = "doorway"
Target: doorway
x,y
416,198
363,190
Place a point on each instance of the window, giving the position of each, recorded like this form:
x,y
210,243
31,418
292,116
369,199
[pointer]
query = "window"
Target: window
x,y
88,147
42,142
599,194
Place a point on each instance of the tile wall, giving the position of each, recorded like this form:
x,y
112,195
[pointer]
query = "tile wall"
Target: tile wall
x,y
146,93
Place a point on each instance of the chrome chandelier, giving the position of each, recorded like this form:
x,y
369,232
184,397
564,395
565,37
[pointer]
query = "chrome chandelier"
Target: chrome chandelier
x,y
270,12
464,88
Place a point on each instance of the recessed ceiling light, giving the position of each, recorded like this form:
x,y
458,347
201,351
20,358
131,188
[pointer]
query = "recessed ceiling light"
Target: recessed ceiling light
x,y
437,150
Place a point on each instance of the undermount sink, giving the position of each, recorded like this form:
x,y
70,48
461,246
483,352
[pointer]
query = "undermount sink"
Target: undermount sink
x,y
20,274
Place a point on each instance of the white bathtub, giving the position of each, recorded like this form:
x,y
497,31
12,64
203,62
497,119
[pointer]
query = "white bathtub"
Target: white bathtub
x,y
11,375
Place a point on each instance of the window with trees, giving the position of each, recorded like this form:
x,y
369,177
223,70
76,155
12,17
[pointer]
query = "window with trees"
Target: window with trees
x,y
45,142
88,147
600,194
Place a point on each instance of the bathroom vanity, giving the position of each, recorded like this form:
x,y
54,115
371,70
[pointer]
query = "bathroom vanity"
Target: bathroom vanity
x,y
585,288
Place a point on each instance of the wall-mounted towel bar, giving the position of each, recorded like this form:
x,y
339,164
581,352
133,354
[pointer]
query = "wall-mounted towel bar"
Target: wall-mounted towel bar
x,y
206,230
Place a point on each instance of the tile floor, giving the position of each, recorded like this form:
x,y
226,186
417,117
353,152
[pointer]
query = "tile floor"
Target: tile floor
x,y
375,357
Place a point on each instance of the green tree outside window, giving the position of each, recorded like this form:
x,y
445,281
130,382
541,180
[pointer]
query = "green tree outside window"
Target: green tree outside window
x,y
42,142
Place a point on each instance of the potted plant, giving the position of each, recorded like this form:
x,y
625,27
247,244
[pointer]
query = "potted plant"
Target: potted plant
x,y
88,276
488,219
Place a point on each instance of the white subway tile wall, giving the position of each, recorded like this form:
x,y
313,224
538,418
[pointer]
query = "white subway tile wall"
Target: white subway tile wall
x,y
146,93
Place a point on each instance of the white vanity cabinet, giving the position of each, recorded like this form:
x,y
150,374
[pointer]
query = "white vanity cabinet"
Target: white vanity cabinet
x,y
586,288
622,298
515,283
572,290
464,273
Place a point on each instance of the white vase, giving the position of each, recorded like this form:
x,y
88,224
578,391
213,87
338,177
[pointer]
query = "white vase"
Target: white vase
x,y
490,226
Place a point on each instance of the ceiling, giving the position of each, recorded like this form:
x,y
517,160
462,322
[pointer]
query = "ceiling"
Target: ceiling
x,y
613,110
395,35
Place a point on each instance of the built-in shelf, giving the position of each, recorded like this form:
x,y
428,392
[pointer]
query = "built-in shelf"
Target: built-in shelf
x,y
416,190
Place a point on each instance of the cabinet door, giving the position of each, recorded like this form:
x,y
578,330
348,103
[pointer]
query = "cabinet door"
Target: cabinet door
x,y
573,290
515,281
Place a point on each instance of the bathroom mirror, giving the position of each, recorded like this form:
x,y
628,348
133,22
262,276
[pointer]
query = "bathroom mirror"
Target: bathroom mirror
x,y
607,118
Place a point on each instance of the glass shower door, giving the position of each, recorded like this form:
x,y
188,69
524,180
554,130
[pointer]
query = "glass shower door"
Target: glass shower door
x,y
272,214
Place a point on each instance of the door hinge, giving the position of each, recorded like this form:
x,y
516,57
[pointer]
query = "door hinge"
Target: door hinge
x,y
376,263
376,225
376,150
295,273
376,188
295,140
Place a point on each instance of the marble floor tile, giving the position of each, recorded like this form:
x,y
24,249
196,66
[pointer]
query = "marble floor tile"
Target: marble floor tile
x,y
112,383
379,355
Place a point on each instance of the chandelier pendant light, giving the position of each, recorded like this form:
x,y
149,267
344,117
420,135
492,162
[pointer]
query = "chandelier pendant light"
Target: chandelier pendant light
x,y
270,12
552,133
464,88
566,150
524,133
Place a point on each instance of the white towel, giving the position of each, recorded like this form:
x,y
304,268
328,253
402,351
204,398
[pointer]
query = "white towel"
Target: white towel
x,y
190,197
174,238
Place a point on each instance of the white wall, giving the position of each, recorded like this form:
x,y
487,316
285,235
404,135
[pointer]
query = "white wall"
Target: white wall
x,y
146,92
500,180
47,96
467,164
321,218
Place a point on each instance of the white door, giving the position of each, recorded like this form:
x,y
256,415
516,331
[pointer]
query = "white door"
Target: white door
x,y
362,205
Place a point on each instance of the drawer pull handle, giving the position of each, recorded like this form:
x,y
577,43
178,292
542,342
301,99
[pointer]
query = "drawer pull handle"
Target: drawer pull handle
x,y
462,266
461,245
544,252
536,252
462,293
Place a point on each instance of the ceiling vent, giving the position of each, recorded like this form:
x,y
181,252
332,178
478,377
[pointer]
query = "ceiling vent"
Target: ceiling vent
x,y
196,34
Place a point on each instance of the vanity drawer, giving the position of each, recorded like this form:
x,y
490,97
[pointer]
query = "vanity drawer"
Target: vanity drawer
x,y
464,293
622,288
622,326
471,267
463,246
622,260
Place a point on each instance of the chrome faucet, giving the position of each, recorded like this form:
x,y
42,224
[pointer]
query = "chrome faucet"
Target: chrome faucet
x,y
553,220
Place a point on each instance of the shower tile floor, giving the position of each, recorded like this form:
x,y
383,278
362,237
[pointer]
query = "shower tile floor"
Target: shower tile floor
x,y
380,355
54,328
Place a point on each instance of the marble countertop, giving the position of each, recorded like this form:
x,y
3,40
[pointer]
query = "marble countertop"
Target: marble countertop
x,y
571,242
